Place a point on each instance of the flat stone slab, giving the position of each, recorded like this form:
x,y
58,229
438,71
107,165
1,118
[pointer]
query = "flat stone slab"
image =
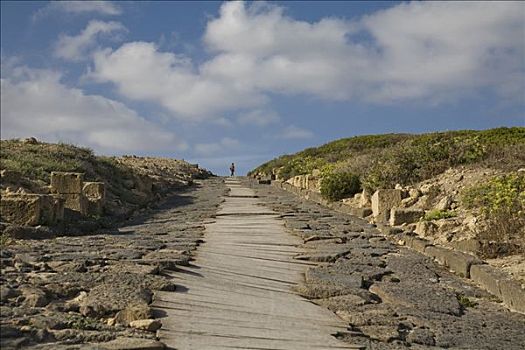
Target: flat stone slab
x,y
238,291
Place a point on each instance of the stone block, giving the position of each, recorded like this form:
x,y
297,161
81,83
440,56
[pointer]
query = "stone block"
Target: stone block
x,y
437,253
458,262
405,216
416,243
468,245
501,285
383,201
94,190
21,209
513,294
76,202
66,183
488,278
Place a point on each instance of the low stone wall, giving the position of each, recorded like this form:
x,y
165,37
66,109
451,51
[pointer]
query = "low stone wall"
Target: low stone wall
x,y
70,197
496,282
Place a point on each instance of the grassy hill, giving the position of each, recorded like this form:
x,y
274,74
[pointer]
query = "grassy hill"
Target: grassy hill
x,y
382,161
130,181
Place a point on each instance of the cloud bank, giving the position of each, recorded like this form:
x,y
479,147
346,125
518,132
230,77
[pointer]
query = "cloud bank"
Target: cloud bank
x,y
431,52
36,103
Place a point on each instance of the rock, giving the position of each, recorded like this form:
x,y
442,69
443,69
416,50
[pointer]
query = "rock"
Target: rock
x,y
149,325
67,182
429,189
34,297
107,298
365,200
414,193
383,201
7,293
408,202
444,203
405,216
126,343
133,312
426,228
74,304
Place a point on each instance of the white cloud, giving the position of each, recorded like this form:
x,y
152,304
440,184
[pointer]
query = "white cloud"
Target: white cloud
x,y
36,103
79,7
419,51
294,132
141,72
226,144
258,117
75,47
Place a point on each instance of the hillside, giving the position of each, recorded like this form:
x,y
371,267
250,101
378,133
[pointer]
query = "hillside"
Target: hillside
x,y
130,182
459,186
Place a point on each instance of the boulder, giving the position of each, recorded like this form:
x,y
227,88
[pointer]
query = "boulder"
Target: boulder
x,y
66,183
426,228
405,216
444,203
133,312
149,324
383,201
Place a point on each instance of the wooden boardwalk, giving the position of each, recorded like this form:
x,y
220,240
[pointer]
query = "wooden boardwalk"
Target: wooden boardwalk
x,y
237,294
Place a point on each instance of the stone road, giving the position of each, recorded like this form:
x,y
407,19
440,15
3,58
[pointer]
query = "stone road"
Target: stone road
x,y
237,294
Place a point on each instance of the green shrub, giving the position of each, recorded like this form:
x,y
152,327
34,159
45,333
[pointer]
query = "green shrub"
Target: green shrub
x,y
501,201
465,302
300,166
336,186
439,214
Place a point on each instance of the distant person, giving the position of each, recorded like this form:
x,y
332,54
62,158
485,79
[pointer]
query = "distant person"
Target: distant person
x,y
232,169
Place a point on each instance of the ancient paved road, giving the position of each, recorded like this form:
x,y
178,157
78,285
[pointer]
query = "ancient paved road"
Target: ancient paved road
x,y
237,294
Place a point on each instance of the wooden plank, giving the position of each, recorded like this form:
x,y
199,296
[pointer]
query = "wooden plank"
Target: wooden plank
x,y
237,293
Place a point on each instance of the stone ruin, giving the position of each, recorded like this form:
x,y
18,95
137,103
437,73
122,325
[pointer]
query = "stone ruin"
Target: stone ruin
x,y
69,197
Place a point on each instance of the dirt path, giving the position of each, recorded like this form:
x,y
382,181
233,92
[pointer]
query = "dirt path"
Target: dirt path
x,y
237,293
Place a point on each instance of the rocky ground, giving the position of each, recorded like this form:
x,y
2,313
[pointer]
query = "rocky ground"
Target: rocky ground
x,y
391,297
68,292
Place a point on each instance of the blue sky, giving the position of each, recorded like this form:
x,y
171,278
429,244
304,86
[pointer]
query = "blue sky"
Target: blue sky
x,y
214,82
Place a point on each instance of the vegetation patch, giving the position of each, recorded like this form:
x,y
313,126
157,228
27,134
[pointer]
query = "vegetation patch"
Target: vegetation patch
x,y
382,161
336,186
465,301
501,201
439,214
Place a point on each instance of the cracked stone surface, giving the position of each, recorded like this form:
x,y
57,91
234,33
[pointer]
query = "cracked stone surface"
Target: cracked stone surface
x,y
61,293
390,297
